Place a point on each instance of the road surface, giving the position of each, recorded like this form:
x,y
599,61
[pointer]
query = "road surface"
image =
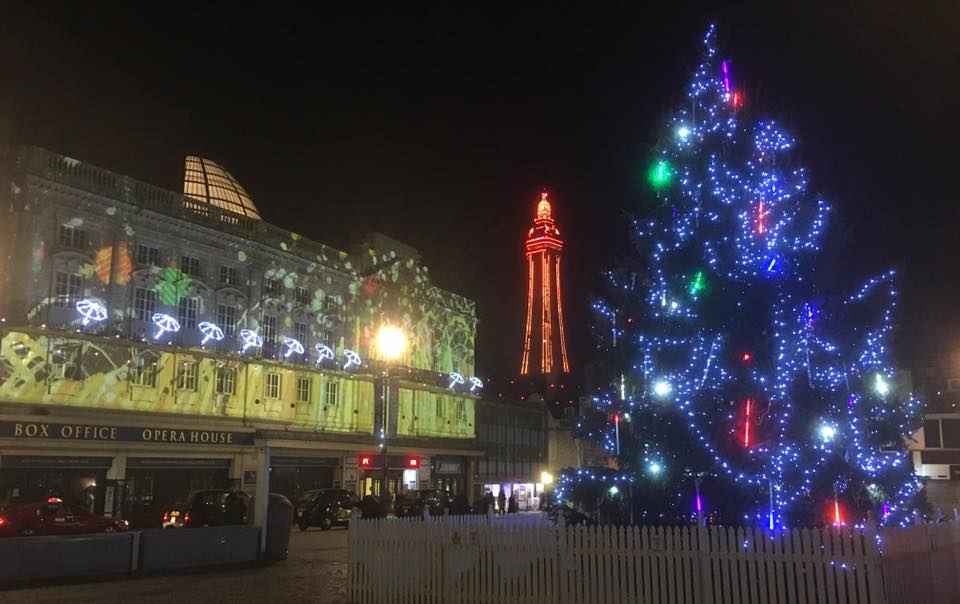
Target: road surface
x,y
315,572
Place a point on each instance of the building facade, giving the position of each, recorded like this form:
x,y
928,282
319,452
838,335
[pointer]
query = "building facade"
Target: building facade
x,y
153,343
936,445
513,438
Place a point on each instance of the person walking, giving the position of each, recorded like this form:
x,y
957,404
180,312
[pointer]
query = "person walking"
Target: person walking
x,y
502,501
512,507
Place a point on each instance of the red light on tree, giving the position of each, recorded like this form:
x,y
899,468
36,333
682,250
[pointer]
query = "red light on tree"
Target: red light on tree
x,y
413,462
747,357
365,461
746,424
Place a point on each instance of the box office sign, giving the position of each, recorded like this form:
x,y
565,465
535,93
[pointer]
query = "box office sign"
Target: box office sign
x,y
96,433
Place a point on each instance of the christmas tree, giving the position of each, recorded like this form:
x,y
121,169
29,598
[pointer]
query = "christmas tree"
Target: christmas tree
x,y
740,386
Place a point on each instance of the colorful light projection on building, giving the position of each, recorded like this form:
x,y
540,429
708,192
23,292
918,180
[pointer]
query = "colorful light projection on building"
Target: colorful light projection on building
x,y
544,300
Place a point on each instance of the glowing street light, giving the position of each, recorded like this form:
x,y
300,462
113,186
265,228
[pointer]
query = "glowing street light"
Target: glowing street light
x,y
546,478
391,342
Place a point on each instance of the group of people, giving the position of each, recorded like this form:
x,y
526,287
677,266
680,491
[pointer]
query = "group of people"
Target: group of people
x,y
504,505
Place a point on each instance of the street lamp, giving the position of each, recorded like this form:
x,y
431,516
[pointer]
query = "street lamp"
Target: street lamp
x,y
391,343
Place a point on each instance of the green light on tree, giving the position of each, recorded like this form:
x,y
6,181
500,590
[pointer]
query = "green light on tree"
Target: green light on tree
x,y
660,173
698,283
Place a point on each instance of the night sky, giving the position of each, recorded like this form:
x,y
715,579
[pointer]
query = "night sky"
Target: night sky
x,y
439,126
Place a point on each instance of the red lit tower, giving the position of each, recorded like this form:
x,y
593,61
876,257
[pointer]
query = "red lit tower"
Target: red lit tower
x,y
544,340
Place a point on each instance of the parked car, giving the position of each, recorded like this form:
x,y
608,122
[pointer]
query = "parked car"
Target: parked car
x,y
413,503
325,508
215,507
54,517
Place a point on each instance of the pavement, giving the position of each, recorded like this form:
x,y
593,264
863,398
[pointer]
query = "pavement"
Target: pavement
x,y
314,572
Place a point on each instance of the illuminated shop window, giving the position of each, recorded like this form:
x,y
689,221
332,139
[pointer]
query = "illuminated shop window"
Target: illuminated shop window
x,y
228,275
226,380
148,255
189,309
303,389
207,181
303,296
271,388
71,237
227,318
269,332
190,266
143,369
67,288
66,362
144,303
271,287
332,394
187,377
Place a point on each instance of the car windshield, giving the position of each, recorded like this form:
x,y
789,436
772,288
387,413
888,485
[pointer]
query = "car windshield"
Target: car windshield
x,y
309,495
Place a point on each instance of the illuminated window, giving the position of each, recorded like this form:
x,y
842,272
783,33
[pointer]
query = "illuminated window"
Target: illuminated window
x,y
144,303
332,394
303,389
189,308
208,182
226,380
66,288
461,411
190,266
228,275
187,378
72,237
303,295
300,333
272,385
269,333
148,255
227,318
143,369
441,411
271,287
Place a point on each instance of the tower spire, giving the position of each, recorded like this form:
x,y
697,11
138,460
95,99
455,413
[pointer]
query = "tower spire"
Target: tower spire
x,y
544,338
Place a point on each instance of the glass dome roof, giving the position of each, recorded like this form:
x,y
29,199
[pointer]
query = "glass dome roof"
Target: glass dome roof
x,y
206,180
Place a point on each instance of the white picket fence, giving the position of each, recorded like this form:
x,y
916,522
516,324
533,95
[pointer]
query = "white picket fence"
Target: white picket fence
x,y
525,559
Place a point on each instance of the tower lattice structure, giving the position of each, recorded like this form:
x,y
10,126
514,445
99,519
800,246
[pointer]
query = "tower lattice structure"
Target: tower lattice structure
x,y
544,339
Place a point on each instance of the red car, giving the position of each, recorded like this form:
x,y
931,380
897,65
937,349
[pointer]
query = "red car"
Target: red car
x,y
54,517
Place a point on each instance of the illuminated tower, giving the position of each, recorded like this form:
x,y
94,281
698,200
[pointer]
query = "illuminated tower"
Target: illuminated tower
x,y
544,340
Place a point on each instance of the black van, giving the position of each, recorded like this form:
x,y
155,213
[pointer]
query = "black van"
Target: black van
x,y
325,508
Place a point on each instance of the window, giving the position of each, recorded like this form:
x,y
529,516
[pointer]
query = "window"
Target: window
x,y
189,307
326,337
72,237
953,385
440,409
950,429
227,318
144,303
66,362
331,304
269,329
303,389
148,255
190,266
272,385
226,380
461,411
303,295
67,288
187,378
931,434
143,369
228,275
300,333
271,287
333,393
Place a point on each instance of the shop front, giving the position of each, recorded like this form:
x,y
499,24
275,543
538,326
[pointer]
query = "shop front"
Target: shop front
x,y
526,494
135,472
75,479
449,474
404,473
292,476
